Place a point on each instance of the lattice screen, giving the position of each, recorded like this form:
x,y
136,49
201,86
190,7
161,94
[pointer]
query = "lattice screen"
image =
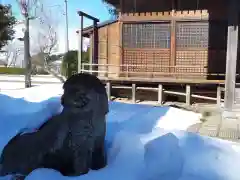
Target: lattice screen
x,y
192,34
192,41
150,35
147,46
198,45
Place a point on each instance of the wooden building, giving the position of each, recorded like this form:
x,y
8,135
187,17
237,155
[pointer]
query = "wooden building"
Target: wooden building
x,y
187,42
164,38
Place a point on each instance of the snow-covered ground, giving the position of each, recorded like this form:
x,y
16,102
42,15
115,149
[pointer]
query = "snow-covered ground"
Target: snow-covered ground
x,y
12,82
143,142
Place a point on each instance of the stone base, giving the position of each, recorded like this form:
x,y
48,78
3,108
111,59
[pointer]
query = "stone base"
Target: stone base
x,y
219,124
230,115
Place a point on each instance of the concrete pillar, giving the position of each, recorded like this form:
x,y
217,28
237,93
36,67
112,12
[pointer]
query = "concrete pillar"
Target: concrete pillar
x,y
231,61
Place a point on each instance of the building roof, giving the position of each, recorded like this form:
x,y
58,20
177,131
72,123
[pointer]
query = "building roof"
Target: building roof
x,y
88,30
113,2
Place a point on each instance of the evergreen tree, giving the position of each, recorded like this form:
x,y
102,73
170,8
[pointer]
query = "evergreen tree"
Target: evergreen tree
x,y
7,21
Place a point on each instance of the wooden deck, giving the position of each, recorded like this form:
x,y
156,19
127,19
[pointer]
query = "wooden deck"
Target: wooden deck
x,y
161,80
162,89
113,75
122,76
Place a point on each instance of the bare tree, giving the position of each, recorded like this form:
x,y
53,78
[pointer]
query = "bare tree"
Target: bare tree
x,y
45,39
11,55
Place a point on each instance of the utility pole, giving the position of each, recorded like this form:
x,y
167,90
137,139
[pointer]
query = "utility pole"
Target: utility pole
x,y
66,19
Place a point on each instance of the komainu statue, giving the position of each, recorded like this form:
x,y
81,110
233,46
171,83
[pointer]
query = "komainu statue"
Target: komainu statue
x,y
71,142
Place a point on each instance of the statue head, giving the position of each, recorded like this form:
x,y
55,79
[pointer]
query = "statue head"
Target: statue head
x,y
84,92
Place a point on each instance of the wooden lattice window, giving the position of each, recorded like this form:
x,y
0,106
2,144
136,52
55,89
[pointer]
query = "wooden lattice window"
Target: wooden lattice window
x,y
148,35
192,35
192,42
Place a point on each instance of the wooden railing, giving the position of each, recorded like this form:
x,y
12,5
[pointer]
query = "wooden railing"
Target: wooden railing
x,y
108,70
162,91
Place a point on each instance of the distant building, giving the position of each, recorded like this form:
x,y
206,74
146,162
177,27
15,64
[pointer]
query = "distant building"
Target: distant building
x,y
183,39
56,66
2,58
2,63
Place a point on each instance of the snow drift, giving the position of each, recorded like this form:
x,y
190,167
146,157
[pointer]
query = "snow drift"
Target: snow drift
x,y
142,141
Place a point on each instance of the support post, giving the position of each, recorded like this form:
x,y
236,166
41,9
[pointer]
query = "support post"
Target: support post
x,y
173,40
219,96
95,21
134,93
173,46
95,46
80,48
232,49
188,95
160,94
91,54
109,90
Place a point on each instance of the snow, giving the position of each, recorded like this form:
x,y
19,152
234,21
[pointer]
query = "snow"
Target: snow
x,y
13,82
142,142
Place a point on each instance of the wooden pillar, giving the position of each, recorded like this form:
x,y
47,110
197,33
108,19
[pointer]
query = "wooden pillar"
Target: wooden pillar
x,y
188,95
121,50
121,6
232,49
95,46
95,36
173,39
80,46
91,53
133,93
135,5
108,88
173,46
106,67
160,94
